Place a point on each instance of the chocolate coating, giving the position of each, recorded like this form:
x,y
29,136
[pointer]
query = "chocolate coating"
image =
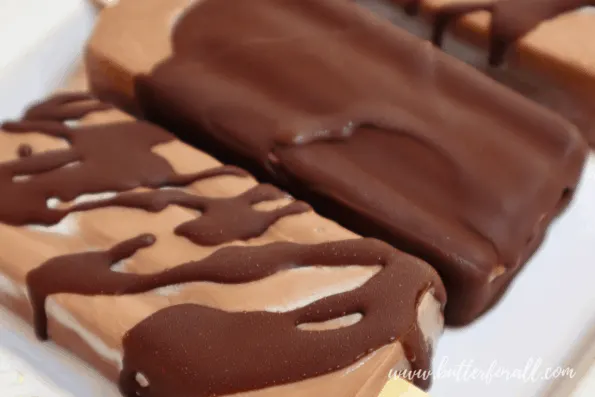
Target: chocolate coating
x,y
377,129
511,20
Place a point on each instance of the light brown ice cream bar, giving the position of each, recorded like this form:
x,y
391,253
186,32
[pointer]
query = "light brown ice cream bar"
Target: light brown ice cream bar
x,y
560,48
147,202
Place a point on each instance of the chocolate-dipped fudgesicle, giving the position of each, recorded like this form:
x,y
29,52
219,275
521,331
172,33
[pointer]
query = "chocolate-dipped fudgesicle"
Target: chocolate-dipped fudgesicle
x,y
377,129
178,276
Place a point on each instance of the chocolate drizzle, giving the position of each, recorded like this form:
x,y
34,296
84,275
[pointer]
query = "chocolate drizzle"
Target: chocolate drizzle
x,y
222,219
118,157
101,158
218,353
511,20
64,107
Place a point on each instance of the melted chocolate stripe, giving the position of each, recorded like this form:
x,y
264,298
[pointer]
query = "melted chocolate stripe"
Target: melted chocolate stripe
x,y
511,20
25,151
206,338
51,128
63,107
114,157
178,180
39,164
84,274
222,219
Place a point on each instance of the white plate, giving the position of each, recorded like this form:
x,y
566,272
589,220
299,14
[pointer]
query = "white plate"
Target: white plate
x,y
40,40
548,312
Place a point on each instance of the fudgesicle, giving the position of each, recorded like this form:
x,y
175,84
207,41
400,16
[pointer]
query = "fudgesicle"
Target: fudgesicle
x,y
175,275
547,39
375,128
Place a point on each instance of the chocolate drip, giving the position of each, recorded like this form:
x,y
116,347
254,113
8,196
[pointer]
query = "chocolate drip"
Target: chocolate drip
x,y
511,20
65,107
222,219
219,353
84,274
102,158
98,165
25,151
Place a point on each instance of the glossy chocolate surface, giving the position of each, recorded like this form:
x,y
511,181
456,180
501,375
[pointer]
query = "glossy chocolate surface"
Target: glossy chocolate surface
x,y
376,129
209,352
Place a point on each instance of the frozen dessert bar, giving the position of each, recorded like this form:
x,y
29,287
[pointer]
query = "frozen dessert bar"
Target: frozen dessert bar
x,y
377,129
548,38
512,21
175,275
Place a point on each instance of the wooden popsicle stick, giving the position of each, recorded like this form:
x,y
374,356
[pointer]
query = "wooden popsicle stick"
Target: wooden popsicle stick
x,y
398,387
104,3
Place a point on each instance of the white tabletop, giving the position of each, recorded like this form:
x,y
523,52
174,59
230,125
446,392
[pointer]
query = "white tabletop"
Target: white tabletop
x,y
39,41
